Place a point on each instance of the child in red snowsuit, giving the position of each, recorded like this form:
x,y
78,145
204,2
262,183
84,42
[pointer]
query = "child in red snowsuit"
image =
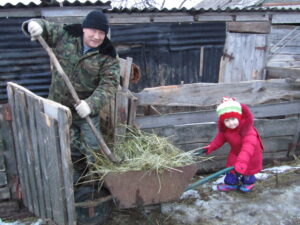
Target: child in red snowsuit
x,y
235,126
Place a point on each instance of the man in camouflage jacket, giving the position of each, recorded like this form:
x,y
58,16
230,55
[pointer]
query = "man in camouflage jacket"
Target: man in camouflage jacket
x,y
89,59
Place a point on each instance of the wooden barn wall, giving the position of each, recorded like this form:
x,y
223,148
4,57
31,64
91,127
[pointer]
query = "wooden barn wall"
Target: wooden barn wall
x,y
172,53
166,53
284,49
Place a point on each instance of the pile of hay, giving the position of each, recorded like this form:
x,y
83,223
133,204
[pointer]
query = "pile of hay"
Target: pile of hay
x,y
142,151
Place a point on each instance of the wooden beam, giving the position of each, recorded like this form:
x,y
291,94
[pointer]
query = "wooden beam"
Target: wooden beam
x,y
209,94
204,132
259,111
281,73
249,27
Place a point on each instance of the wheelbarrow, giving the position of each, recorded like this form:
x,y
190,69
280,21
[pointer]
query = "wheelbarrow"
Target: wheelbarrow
x,y
135,189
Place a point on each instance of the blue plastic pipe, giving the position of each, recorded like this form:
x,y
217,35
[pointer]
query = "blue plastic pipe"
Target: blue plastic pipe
x,y
206,179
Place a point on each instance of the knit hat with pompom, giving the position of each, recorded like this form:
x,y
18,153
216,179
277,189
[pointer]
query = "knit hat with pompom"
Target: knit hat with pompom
x,y
229,108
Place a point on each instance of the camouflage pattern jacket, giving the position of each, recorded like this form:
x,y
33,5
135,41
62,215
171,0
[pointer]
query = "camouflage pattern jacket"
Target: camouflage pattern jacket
x,y
94,75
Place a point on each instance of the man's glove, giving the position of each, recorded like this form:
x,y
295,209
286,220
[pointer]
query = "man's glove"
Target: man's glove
x,y
208,149
83,109
240,167
34,29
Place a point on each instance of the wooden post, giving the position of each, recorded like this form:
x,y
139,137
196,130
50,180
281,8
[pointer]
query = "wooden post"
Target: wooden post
x,y
121,112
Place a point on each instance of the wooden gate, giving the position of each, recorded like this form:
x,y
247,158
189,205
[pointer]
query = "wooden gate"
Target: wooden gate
x,y
244,57
42,143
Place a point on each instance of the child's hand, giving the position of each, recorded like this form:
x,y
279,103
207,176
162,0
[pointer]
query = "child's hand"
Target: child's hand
x,y
208,149
240,167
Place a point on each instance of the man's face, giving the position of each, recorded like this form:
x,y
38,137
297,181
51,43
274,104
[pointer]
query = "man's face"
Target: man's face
x,y
93,37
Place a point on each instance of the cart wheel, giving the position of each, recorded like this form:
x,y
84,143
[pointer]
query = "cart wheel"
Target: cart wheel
x,y
93,215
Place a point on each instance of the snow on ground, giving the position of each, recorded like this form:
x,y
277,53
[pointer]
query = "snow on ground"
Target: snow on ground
x,y
265,206
38,222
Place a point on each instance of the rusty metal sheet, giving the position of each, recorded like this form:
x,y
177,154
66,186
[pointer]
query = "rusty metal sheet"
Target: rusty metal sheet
x,y
140,188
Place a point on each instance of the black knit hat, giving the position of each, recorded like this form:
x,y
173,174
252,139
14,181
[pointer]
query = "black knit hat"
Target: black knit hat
x,y
97,20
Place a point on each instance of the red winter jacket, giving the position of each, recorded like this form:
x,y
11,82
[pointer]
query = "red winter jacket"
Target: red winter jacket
x,y
245,142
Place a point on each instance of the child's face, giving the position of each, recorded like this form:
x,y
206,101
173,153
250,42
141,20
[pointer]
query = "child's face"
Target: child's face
x,y
231,123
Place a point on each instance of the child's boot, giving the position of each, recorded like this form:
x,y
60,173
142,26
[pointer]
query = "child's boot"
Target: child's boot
x,y
246,187
227,187
231,183
247,183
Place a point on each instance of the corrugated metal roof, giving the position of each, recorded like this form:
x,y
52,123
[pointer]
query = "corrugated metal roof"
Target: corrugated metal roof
x,y
54,3
253,5
204,6
223,4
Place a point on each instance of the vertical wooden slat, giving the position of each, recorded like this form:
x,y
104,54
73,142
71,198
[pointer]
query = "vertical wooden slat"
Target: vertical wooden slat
x,y
121,113
24,167
201,62
17,140
64,134
295,142
42,140
28,151
133,103
36,155
54,172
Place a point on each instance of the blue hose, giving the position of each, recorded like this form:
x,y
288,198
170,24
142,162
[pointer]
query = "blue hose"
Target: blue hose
x,y
206,179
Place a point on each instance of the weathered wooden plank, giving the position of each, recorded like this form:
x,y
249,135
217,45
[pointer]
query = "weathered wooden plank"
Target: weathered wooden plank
x,y
291,64
42,139
122,101
249,27
132,108
27,149
280,73
295,142
271,144
22,162
64,117
259,111
252,16
2,163
17,140
8,147
54,170
280,18
37,165
4,193
3,178
208,94
204,132
172,19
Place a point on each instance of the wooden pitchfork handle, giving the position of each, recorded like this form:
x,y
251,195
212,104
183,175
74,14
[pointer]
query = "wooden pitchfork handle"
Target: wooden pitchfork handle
x,y
103,147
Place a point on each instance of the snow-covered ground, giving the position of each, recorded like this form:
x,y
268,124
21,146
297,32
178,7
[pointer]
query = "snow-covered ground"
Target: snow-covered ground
x,y
270,204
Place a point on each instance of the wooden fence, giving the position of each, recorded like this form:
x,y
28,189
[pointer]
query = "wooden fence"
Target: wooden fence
x,y
42,142
274,103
